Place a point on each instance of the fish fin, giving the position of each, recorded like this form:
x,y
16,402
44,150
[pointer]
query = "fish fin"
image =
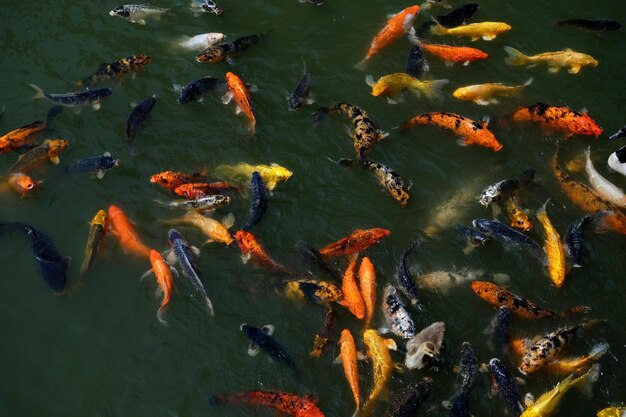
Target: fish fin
x,y
160,312
493,101
228,220
369,80
437,28
381,134
171,257
446,404
195,250
309,100
529,400
481,102
554,70
55,160
253,88
253,349
391,344
361,65
514,57
231,61
411,30
474,38
488,37
177,87
338,360
449,64
462,142
140,21
592,376
390,100
38,92
226,98
95,106
360,356
174,271
599,350
237,109
384,330
209,306
100,174
574,70
77,110
245,257
268,329
528,82
145,275
157,292
208,241
434,89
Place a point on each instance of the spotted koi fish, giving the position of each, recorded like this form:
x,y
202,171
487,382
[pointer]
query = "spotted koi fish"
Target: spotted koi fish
x,y
561,119
319,291
107,73
471,132
358,241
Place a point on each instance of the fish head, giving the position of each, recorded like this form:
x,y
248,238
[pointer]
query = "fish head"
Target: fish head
x,y
412,10
22,182
121,11
213,38
378,233
520,220
142,59
461,93
174,235
380,88
281,173
100,218
56,146
486,290
490,195
244,240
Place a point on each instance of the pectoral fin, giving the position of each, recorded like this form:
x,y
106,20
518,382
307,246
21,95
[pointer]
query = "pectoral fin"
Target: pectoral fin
x,y
55,160
475,38
574,70
226,98
268,329
489,37
253,349
554,70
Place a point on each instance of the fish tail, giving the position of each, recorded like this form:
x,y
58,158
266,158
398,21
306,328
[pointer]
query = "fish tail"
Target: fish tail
x,y
84,266
319,114
592,376
434,89
514,57
542,211
599,350
38,92
159,315
528,82
209,305
438,29
361,64
575,310
214,400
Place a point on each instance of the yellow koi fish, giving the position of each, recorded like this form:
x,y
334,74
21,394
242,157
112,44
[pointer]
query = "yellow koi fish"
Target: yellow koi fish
x,y
393,84
486,30
553,248
555,60
381,362
612,412
271,174
484,94
213,229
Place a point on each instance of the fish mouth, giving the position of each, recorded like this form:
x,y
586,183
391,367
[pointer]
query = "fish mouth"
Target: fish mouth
x,y
112,13
242,326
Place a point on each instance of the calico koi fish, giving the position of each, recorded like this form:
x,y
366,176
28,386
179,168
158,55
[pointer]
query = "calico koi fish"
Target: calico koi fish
x,y
208,203
470,131
397,26
393,84
451,54
213,229
561,119
352,298
517,305
569,365
252,249
107,73
358,241
97,233
484,94
285,402
271,174
518,217
555,60
485,30
48,150
195,190
238,91
553,248
138,13
173,179
129,240
318,291
365,134
382,364
348,359
367,285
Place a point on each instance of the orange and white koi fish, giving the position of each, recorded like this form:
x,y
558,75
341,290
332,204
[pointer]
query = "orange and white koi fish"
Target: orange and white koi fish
x,y
174,179
367,283
358,241
21,183
126,233
562,119
471,132
352,298
163,274
252,249
237,90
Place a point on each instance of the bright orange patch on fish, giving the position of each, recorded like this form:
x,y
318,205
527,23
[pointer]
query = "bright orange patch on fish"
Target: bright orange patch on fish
x,y
347,353
454,53
358,241
472,133
397,26
558,118
126,233
194,190
241,96
352,298
173,179
288,403
21,136
367,283
21,183
164,279
252,249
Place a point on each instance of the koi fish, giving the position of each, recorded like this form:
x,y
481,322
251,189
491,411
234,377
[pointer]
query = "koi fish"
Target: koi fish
x,y
365,134
405,280
271,174
310,255
173,179
52,267
427,343
517,305
348,359
444,281
367,285
258,201
300,94
95,164
382,365
617,160
358,241
506,387
181,252
199,42
555,60
21,183
484,94
397,186
601,25
352,298
574,237
197,89
285,402
252,249
110,72
208,203
392,84
606,189
619,134
557,118
398,25
547,404
138,13
553,248
129,240
499,191
474,237
470,131
500,332
214,230
238,91
396,314
261,339
76,100
457,17
614,411
318,291
97,233
566,366
451,54
225,51
485,30
518,217
323,337
510,238
163,273
48,150
406,402
416,64
195,190
468,374
21,136
205,6
136,119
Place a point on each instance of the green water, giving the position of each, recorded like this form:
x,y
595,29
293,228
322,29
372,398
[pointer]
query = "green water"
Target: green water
x,y
102,352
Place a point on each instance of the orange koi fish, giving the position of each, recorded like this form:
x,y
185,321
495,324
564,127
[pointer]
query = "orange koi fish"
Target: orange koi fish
x,y
126,232
558,118
288,403
589,200
21,183
237,90
348,359
252,249
358,241
173,179
163,274
194,190
451,54
470,131
518,306
397,26
367,281
21,136
352,298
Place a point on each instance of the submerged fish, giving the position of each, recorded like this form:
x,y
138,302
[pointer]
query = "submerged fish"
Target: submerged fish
x,y
484,94
382,364
607,190
468,374
358,241
271,174
138,13
288,403
416,65
468,130
405,281
562,119
238,91
574,238
125,232
555,60
473,236
397,186
619,134
392,84
311,255
48,150
510,237
444,281
426,344
107,73
207,203
347,354
597,25
323,337
98,165
505,384
225,51
76,100
396,314
406,401
197,89
205,6
352,298
485,30
319,292
500,332
136,119
97,232
261,339
199,42
214,230
300,94
258,201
